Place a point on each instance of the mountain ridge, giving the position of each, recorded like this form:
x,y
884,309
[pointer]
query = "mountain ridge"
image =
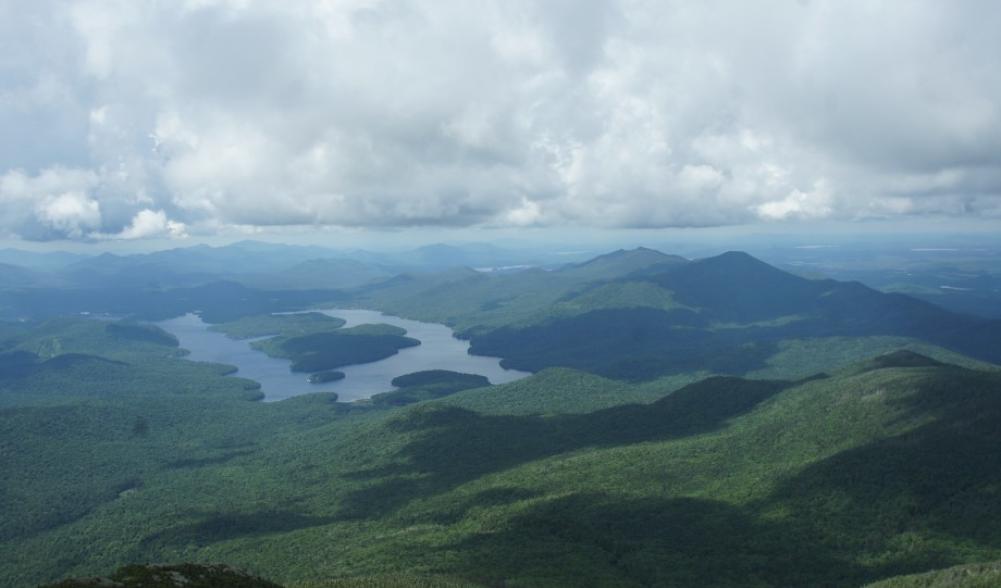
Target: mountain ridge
x,y
759,304
563,478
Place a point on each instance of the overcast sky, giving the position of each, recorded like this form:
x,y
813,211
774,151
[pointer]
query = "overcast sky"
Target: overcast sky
x,y
139,119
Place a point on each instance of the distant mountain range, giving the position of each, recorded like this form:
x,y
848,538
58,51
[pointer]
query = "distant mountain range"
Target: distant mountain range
x,y
254,263
640,314
632,314
708,422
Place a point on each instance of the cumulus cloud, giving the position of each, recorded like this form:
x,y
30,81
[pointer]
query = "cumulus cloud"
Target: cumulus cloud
x,y
54,204
152,223
69,213
136,120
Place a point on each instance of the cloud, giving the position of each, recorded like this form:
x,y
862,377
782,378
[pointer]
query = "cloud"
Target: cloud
x,y
152,223
54,204
805,205
61,203
123,117
69,213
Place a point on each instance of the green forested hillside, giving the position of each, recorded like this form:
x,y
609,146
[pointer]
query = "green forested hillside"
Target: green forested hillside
x,y
287,325
170,576
863,448
79,430
867,473
471,301
328,349
640,315
987,575
428,385
215,301
622,263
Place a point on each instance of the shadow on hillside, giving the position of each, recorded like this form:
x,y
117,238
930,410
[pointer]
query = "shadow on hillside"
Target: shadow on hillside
x,y
223,527
648,542
191,463
633,344
454,445
942,479
456,510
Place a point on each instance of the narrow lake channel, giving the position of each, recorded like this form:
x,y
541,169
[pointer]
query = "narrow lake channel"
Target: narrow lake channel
x,y
439,349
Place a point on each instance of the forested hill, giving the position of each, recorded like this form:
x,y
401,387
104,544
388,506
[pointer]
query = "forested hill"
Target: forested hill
x,y
216,301
882,469
641,314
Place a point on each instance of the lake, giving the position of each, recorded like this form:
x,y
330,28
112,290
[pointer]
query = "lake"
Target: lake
x,y
439,349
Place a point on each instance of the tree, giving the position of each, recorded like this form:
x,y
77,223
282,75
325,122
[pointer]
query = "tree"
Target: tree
x,y
140,428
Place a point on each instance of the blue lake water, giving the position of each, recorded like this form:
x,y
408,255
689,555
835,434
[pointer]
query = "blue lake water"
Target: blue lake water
x,y
439,349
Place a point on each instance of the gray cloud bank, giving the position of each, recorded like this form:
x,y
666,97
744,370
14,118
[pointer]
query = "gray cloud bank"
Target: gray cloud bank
x,y
127,119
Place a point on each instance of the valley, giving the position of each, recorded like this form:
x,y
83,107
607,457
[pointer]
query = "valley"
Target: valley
x,y
492,294
679,424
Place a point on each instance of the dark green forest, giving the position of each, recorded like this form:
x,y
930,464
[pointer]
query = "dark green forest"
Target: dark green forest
x,y
668,437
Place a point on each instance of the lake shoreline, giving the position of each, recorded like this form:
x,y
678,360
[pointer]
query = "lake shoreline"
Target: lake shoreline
x,y
439,349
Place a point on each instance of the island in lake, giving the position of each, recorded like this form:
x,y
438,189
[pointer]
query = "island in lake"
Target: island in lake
x,y
325,376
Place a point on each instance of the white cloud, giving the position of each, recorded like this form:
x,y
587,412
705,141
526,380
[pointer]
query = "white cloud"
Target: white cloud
x,y
152,223
54,204
362,113
814,204
71,213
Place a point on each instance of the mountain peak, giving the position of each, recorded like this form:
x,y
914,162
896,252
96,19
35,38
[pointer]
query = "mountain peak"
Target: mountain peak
x,y
734,253
628,254
622,262
734,258
737,265
738,285
438,247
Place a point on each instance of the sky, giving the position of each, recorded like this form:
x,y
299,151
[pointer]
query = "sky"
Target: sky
x,y
181,120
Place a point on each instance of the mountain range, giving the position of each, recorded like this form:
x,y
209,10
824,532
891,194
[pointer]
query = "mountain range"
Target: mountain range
x,y
640,314
707,422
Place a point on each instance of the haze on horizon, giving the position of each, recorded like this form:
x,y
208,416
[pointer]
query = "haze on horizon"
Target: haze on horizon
x,y
220,119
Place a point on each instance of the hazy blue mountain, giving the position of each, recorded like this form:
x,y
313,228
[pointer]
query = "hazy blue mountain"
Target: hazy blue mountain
x,y
622,262
14,276
319,273
963,276
44,261
217,301
641,314
200,262
440,256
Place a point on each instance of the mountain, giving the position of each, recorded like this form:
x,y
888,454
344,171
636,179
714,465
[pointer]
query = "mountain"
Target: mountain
x,y
979,575
641,314
440,255
738,286
329,273
39,261
956,275
622,262
879,470
217,301
171,576
189,266
471,300
13,276
128,271
255,264
261,264
712,422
